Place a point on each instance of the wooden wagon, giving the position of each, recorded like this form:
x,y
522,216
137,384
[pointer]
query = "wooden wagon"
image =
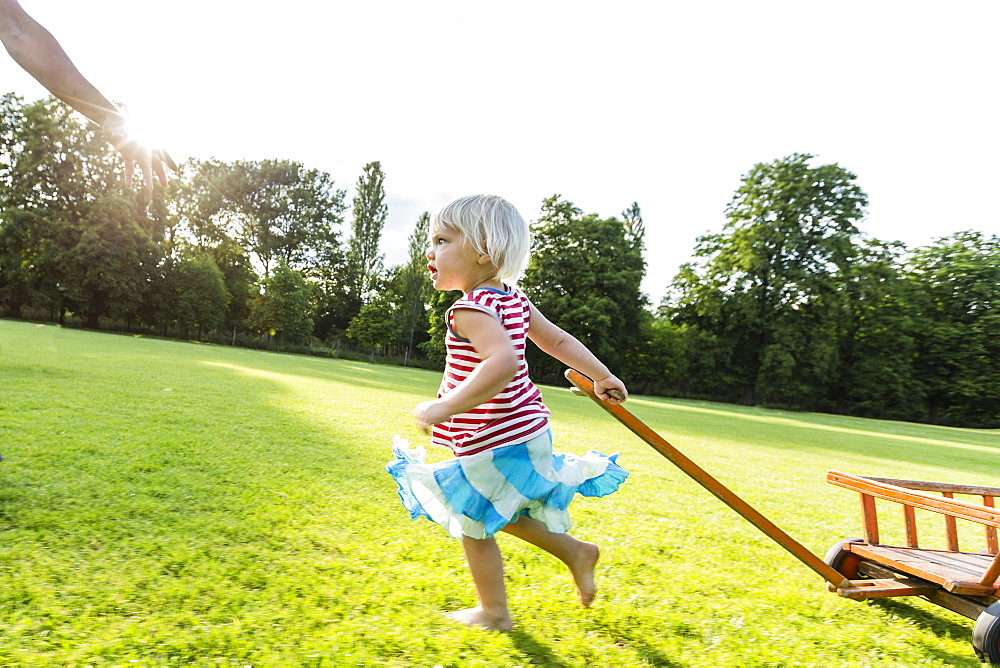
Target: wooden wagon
x,y
862,568
962,581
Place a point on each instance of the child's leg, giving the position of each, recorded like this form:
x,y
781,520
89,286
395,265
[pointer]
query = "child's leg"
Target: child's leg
x,y
580,556
486,565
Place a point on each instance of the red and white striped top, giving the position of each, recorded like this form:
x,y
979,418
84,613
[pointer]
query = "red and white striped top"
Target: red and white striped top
x,y
516,414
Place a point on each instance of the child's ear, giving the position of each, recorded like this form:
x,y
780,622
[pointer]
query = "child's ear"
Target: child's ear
x,y
484,258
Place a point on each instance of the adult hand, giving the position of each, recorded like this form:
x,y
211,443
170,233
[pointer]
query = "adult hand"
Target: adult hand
x,y
149,160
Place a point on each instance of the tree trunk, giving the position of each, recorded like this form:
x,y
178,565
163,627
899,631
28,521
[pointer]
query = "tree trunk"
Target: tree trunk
x,y
97,306
934,411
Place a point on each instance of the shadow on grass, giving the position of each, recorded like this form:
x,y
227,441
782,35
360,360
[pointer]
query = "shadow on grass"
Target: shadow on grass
x,y
537,653
621,632
925,620
652,656
540,654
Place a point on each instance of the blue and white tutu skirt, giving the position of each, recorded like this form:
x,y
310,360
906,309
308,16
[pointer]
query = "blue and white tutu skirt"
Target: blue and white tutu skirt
x,y
477,495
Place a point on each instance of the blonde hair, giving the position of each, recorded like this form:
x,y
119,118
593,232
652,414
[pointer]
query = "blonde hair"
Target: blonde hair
x,y
492,226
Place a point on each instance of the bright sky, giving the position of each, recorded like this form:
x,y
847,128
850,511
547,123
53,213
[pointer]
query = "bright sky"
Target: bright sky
x,y
664,103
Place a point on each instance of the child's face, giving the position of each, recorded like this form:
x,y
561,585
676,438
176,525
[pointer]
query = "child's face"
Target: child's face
x,y
453,262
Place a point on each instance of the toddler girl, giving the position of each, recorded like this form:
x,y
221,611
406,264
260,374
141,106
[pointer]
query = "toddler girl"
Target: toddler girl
x,y
504,476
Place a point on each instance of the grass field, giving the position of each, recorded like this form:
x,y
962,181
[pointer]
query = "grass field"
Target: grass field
x,y
166,502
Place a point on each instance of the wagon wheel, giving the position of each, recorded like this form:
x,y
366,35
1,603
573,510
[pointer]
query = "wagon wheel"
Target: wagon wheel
x,y
842,561
986,635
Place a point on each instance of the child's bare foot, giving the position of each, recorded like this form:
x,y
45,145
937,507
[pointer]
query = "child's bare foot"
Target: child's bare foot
x,y
582,568
477,617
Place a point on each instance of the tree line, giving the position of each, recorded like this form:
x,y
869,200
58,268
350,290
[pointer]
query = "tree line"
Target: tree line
x,y
790,305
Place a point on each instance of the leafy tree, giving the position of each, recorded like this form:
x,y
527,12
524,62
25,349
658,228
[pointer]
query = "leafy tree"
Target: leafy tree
x,y
659,362
346,280
202,219
334,306
107,260
584,275
414,287
375,325
21,232
767,282
276,209
636,362
283,308
877,346
55,172
13,141
437,330
261,214
956,285
52,158
369,213
201,298
635,228
241,281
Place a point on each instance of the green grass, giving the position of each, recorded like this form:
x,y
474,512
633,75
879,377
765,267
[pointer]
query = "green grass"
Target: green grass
x,y
166,502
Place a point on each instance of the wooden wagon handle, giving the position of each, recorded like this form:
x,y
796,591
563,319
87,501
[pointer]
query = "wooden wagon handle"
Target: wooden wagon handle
x,y
724,494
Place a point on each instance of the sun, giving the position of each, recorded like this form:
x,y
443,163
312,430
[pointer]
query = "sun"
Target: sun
x,y
145,130
139,141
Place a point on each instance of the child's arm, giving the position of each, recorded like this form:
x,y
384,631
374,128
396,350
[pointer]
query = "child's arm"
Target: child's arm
x,y
567,349
491,375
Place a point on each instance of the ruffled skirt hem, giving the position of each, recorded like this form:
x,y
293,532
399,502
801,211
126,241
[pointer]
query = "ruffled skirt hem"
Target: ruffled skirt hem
x,y
479,494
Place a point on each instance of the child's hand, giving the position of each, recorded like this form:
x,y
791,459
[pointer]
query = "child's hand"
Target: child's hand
x,y
430,413
611,389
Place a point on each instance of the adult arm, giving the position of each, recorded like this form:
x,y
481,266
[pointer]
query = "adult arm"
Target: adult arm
x,y
40,55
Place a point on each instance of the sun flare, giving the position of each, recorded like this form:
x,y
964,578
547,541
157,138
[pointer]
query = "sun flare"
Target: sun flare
x,y
145,131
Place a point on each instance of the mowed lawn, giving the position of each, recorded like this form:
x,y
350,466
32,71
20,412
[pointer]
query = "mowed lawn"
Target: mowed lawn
x,y
167,502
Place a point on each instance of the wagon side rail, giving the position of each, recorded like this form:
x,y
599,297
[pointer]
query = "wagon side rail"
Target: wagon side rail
x,y
914,494
989,496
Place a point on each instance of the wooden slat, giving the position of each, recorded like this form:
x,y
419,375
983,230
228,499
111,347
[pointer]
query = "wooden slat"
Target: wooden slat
x,y
991,532
963,605
950,527
924,486
958,572
954,507
870,517
910,518
865,589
